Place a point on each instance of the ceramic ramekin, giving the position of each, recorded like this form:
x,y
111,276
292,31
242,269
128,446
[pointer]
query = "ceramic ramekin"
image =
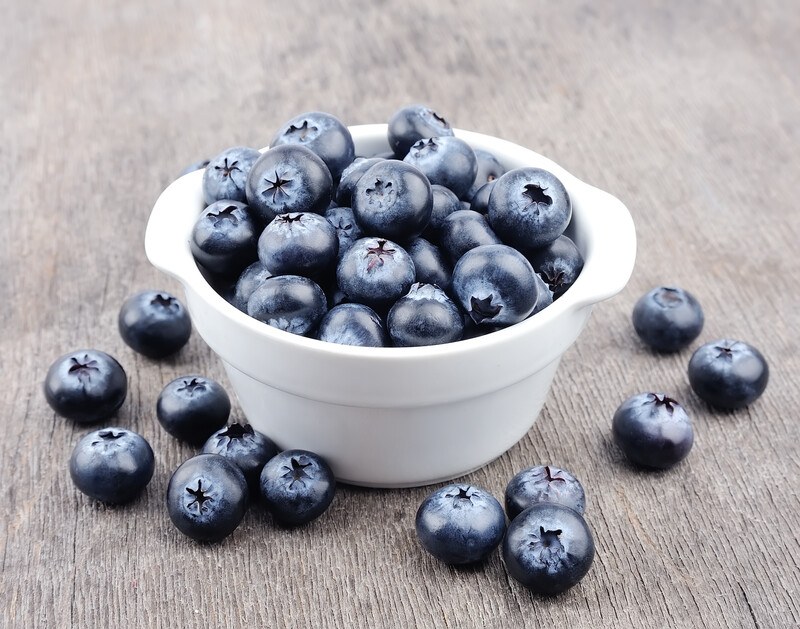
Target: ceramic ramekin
x,y
396,417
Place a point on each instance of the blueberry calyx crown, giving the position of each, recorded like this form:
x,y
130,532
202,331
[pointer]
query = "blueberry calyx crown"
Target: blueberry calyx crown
x,y
663,400
548,475
167,302
108,435
381,193
555,280
669,297
483,309
235,431
439,118
297,473
276,186
428,145
228,169
536,194
194,385
464,493
378,252
724,352
300,133
199,495
83,369
225,214
290,218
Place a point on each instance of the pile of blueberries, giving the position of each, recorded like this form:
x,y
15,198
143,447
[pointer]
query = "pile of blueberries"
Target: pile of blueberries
x,y
429,243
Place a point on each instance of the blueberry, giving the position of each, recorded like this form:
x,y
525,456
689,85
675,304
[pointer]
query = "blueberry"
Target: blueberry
x,y
480,200
225,176
445,202
728,374
545,295
653,430
464,230
299,243
352,324
112,465
224,238
191,408
415,122
558,264
297,486
291,303
347,229
424,316
460,524
548,548
489,170
350,177
288,178
324,134
245,447
495,285
543,483
86,386
207,497
198,165
667,318
393,200
447,161
250,279
154,323
375,272
529,208
430,264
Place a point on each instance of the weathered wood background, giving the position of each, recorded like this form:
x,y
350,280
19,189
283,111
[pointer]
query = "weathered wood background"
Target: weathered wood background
x,y
688,111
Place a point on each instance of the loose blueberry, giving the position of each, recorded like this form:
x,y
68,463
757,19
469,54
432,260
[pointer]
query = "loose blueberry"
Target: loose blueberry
x,y
192,408
653,430
352,324
728,374
224,238
250,279
543,483
460,524
347,229
430,264
86,386
447,161
464,230
291,303
112,465
489,170
558,264
225,176
424,316
297,486
548,548
299,243
207,497
415,122
244,446
154,323
667,318
350,177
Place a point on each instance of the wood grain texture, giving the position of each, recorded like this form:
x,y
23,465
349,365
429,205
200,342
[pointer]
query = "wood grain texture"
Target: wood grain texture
x,y
689,112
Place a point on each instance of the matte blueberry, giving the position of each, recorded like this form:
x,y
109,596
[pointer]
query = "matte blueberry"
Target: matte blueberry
x,y
86,386
353,324
430,264
445,202
409,124
424,316
297,486
324,134
728,374
543,483
289,178
460,524
464,230
191,408
154,323
447,161
347,228
301,243
375,272
350,177
291,303
667,318
225,176
112,465
548,548
246,447
224,238
250,279
559,264
653,430
207,497
489,170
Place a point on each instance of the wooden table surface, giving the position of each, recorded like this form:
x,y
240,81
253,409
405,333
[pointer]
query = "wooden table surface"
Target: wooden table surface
x,y
687,111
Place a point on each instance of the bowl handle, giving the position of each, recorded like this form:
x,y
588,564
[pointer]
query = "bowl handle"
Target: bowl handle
x,y
170,225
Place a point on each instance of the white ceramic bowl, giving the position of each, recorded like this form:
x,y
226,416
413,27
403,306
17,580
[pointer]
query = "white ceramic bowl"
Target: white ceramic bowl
x,y
395,417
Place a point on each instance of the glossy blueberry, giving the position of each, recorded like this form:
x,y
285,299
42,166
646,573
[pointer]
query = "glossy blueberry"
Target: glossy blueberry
x,y
245,447
288,178
291,303
154,323
667,318
297,486
393,200
225,176
728,374
558,264
112,465
207,497
86,386
424,316
653,430
415,122
250,279
543,483
445,202
299,243
192,408
430,264
353,324
489,170
460,524
324,134
495,285
464,230
529,208
375,272
480,200
347,228
447,161
350,177
548,548
198,165
224,238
